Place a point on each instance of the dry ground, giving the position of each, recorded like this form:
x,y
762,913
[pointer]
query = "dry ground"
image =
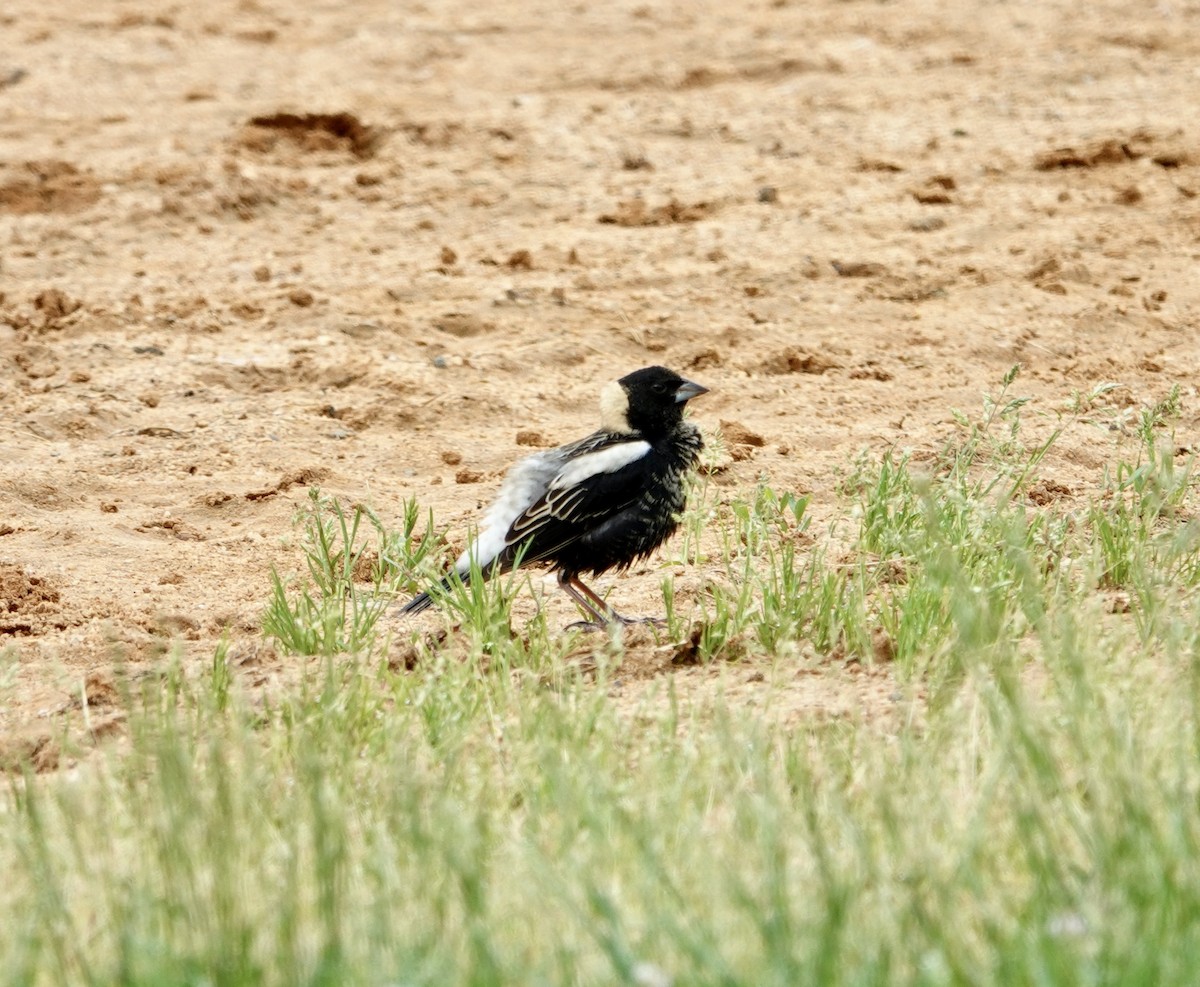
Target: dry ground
x,y
847,217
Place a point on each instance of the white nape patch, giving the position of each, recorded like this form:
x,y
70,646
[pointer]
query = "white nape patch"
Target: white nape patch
x,y
524,485
614,409
607,460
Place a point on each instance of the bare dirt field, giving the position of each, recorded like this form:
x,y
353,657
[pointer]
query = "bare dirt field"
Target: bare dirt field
x,y
251,246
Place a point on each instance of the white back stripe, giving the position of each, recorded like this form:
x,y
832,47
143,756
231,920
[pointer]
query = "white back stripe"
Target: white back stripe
x,y
607,460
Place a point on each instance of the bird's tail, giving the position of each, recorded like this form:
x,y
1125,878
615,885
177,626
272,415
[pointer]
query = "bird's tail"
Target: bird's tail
x,y
423,601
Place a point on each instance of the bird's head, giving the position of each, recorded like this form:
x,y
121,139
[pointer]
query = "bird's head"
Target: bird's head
x,y
648,402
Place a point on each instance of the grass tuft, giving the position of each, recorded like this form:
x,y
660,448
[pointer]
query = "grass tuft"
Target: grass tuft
x,y
352,573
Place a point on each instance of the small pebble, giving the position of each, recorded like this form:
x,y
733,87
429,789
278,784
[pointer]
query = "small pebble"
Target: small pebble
x,y
926,224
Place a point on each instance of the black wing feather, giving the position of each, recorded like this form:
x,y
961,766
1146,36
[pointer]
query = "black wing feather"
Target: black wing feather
x,y
564,515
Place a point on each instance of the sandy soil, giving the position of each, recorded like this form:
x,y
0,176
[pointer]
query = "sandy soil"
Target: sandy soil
x,y
453,222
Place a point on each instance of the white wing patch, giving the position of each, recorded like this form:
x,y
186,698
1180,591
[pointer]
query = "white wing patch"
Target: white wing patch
x,y
524,485
561,470
591,464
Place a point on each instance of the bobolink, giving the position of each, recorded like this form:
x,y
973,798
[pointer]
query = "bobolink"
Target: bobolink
x,y
601,503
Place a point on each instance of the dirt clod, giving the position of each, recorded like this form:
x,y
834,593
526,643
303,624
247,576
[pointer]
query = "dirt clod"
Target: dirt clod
x,y
882,645
706,358
794,360
306,476
736,433
26,600
635,212
55,305
1047,275
36,749
1046,491
1108,151
22,592
47,187
859,268
936,191
871,371
313,132
462,324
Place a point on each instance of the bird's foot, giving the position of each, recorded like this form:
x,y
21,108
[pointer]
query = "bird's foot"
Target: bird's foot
x,y
617,620
652,621
590,625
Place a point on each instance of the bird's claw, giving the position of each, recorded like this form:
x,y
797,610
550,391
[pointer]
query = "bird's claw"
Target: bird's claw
x,y
616,621
652,621
588,625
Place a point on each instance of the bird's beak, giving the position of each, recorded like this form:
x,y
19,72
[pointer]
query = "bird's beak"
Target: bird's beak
x,y
688,390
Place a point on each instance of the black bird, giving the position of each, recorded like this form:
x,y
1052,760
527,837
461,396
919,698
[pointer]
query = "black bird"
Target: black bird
x,y
601,503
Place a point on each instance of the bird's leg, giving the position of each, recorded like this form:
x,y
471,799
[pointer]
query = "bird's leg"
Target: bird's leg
x,y
596,605
599,612
598,602
613,615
